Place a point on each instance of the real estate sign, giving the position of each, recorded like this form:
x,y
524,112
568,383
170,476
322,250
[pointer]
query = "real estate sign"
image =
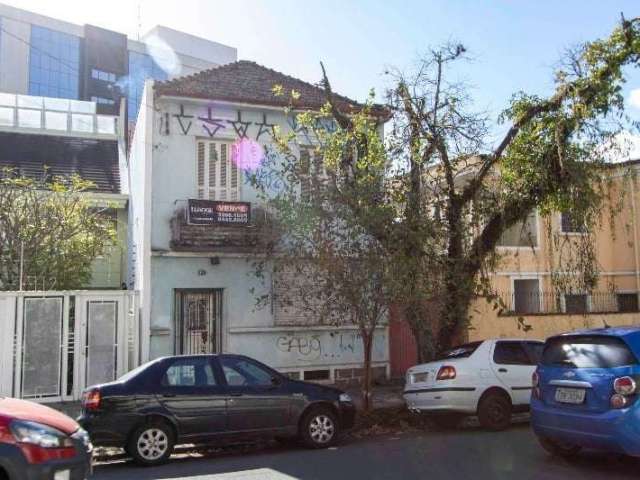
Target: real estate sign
x,y
210,212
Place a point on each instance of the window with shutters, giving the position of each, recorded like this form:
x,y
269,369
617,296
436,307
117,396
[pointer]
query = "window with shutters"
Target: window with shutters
x,y
217,176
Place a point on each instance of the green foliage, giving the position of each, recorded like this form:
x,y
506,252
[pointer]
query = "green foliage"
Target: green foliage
x,y
51,224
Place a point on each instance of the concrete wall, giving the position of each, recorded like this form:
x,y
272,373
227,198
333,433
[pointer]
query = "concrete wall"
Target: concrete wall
x,y
139,173
14,55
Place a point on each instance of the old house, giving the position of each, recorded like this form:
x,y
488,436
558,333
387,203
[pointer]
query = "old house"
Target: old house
x,y
195,219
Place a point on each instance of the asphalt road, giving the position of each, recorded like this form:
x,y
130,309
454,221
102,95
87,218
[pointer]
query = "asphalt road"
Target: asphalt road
x,y
472,454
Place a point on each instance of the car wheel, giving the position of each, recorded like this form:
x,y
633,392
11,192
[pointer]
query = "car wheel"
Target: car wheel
x,y
559,449
445,421
319,428
152,443
494,412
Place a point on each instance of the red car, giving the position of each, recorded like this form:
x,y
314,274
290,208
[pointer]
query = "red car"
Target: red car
x,y
38,442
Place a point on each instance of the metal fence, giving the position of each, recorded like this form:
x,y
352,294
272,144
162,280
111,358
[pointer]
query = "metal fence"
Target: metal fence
x,y
54,344
545,302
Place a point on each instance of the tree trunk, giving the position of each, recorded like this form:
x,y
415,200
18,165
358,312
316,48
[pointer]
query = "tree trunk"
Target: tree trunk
x,y
454,312
367,342
416,315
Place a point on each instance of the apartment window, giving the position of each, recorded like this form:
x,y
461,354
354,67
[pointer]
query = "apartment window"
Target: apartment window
x,y
522,234
571,223
627,302
141,68
102,75
576,303
217,176
103,101
526,295
54,59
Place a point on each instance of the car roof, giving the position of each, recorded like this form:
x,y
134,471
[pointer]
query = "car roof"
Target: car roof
x,y
622,331
513,339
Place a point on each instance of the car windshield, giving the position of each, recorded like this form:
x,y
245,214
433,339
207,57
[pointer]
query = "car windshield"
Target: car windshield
x,y
461,351
587,352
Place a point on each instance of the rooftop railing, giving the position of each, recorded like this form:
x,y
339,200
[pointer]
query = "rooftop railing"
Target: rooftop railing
x,y
54,116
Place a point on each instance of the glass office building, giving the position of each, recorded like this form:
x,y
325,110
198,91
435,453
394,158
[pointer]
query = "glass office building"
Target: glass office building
x,y
141,68
54,63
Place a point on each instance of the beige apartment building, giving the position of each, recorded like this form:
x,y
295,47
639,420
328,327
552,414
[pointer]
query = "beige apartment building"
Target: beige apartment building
x,y
533,305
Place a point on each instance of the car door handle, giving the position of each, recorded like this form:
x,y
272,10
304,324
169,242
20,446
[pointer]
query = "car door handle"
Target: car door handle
x,y
168,395
502,370
235,394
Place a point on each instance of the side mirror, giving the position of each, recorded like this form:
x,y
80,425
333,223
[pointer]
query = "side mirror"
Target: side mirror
x,y
276,381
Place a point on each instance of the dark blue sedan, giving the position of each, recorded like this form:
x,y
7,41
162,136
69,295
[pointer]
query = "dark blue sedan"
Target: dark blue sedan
x,y
585,392
210,399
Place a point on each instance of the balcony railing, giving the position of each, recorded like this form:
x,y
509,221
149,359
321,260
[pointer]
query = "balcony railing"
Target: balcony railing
x,y
223,238
548,303
54,116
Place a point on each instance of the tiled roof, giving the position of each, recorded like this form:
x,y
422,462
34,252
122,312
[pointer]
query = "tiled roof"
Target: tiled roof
x,y
92,159
248,82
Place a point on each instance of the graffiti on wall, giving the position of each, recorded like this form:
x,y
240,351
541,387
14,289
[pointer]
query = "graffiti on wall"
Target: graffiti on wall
x,y
311,347
208,123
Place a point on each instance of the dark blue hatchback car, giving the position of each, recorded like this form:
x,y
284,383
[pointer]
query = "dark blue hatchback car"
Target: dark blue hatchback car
x,y
586,392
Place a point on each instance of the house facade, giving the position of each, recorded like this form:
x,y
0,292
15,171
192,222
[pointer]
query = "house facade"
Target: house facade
x,y
198,284
534,277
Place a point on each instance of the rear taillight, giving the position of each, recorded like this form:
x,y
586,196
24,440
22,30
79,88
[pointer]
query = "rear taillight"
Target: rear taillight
x,y
91,400
446,372
619,401
624,386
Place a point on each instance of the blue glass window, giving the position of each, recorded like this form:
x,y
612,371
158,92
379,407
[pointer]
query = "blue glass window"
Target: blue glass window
x,y
141,68
102,75
103,101
54,63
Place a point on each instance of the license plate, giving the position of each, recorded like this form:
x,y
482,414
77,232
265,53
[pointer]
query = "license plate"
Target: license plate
x,y
420,377
570,395
62,475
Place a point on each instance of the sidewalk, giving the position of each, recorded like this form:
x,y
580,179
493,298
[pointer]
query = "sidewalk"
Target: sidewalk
x,y
382,396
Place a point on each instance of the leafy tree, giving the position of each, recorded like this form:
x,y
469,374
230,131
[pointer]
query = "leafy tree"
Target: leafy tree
x,y
52,226
437,197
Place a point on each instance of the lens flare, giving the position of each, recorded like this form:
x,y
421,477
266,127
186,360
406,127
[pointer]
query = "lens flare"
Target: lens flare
x,y
247,154
163,55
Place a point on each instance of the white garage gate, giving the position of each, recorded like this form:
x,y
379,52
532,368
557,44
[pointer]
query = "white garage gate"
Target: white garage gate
x,y
54,344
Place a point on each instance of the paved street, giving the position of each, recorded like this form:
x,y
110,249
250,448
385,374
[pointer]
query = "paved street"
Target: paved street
x,y
472,454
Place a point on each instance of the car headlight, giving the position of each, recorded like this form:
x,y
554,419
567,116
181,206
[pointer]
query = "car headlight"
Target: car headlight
x,y
38,434
345,397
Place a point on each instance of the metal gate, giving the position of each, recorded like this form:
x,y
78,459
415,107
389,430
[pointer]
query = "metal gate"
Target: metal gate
x,y
55,344
198,318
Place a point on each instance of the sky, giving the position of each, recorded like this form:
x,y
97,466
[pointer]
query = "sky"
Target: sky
x,y
513,45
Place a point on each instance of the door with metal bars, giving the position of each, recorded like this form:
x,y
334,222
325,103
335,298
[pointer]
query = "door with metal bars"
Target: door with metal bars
x,y
198,321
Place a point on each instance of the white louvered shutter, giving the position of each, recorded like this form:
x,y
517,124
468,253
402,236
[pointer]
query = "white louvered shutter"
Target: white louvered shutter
x,y
200,170
218,177
213,170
